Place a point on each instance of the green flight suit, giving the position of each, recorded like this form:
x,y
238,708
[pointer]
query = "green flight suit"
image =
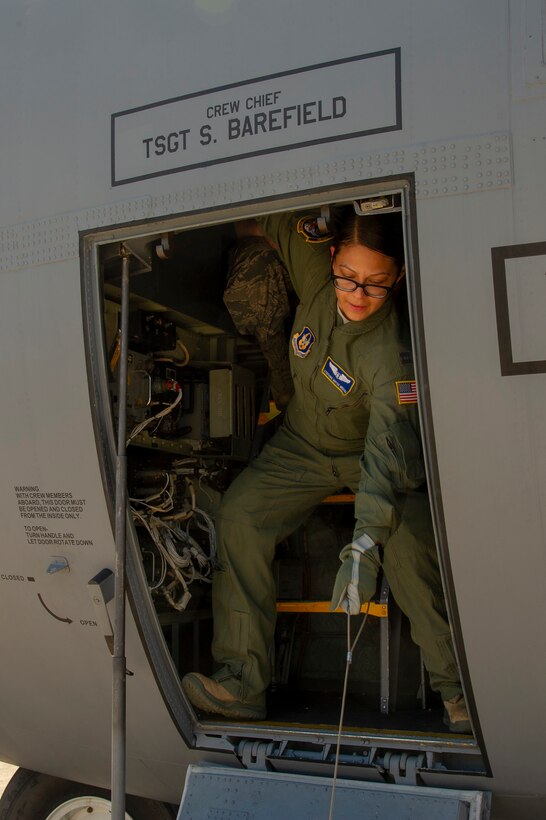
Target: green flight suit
x,y
352,423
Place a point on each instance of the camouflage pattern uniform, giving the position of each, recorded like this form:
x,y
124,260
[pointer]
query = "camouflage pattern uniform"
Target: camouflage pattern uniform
x,y
257,296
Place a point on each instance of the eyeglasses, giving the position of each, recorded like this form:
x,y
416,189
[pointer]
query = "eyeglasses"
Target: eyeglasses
x,y
349,286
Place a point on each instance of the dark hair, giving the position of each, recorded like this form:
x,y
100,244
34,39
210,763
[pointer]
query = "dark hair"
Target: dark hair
x,y
380,232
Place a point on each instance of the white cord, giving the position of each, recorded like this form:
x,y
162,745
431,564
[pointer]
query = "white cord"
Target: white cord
x,y
161,581
166,505
165,355
143,424
185,351
177,549
209,528
350,650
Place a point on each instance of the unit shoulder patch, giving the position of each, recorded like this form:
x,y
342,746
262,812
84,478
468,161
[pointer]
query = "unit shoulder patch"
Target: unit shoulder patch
x,y
406,391
310,228
339,377
303,341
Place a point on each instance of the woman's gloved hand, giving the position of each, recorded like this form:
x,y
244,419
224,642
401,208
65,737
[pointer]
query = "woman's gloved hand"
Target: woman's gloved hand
x,y
356,579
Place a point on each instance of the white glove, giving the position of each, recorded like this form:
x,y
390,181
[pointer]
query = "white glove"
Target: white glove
x,y
356,579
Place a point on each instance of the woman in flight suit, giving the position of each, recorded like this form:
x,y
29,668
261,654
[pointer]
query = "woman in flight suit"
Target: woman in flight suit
x,y
352,422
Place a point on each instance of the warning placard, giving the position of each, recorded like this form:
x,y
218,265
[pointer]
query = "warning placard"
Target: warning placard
x,y
37,503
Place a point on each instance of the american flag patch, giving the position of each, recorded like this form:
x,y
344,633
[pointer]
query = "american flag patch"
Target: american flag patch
x,y
406,392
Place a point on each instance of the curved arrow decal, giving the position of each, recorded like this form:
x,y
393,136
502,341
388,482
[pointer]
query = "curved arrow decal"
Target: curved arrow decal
x,y
64,620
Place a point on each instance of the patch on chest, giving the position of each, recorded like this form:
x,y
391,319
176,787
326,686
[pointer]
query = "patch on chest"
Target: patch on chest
x,y
406,392
338,376
303,341
313,229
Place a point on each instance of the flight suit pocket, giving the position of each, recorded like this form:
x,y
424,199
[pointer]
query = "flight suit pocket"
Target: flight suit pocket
x,y
403,454
348,420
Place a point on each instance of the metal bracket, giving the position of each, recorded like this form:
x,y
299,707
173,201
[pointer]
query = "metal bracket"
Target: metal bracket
x,y
387,204
101,591
213,743
403,768
254,754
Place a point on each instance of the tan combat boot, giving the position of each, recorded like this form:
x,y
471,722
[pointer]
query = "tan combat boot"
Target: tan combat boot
x,y
210,696
456,716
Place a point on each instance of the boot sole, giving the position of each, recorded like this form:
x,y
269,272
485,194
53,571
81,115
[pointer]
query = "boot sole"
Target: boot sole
x,y
461,727
203,700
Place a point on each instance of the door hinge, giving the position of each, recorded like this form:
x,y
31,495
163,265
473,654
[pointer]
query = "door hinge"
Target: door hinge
x,y
403,768
254,753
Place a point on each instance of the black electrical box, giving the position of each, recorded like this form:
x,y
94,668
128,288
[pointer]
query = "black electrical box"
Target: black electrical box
x,y
150,331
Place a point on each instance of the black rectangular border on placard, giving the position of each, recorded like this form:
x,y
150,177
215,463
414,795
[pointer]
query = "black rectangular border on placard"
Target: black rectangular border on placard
x,y
396,127
498,257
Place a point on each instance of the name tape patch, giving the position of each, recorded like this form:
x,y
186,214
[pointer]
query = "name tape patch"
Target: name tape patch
x,y
303,341
406,392
338,376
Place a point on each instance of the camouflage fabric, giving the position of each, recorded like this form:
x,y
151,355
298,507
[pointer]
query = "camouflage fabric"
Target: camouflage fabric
x,y
257,297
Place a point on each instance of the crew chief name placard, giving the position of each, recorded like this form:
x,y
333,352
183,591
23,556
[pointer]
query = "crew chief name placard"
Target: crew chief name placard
x,y
343,99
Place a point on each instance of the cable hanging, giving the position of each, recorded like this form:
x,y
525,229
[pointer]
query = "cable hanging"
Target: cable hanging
x,y
350,650
143,424
179,552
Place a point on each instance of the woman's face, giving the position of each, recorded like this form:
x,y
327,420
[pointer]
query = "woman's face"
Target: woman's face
x,y
366,267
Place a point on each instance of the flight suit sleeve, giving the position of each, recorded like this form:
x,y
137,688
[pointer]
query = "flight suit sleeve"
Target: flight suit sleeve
x,y
392,462
305,255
